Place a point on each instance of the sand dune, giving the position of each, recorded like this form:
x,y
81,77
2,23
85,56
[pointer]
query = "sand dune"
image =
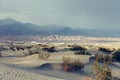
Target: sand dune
x,y
7,73
14,66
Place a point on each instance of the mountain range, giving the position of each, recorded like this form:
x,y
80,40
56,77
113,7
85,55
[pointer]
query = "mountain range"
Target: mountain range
x,y
10,26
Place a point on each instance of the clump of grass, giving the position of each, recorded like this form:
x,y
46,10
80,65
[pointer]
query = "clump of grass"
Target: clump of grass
x,y
70,64
43,56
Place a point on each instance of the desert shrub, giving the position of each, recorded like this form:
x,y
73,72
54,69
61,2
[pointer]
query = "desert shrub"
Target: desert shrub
x,y
28,47
116,56
101,71
99,57
103,58
0,54
77,48
70,45
12,47
19,48
30,52
51,49
66,60
70,64
3,48
105,50
82,52
90,46
25,54
43,56
107,58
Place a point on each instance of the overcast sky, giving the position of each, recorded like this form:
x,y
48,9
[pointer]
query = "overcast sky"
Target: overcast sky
x,y
74,13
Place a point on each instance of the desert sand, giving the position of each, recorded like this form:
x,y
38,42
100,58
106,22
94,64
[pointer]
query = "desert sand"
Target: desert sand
x,y
15,66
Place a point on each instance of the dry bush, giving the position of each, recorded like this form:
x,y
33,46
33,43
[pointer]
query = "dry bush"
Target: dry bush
x,y
101,71
43,56
66,60
70,45
70,64
103,57
34,50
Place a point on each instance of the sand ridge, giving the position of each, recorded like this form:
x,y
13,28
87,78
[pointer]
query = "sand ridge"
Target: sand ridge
x,y
7,73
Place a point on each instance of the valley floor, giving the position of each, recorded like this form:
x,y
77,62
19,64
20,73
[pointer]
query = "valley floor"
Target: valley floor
x,y
14,66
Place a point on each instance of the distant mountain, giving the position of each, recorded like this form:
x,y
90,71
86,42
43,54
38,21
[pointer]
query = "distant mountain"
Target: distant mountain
x,y
7,21
69,31
53,27
103,32
12,27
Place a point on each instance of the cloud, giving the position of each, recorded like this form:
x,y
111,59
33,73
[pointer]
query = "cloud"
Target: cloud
x,y
75,13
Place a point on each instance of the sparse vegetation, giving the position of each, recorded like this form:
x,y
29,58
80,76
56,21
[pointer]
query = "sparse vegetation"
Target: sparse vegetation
x,y
100,68
101,71
105,50
0,54
3,48
43,56
82,52
77,48
103,57
19,48
51,49
70,64
116,56
12,47
30,52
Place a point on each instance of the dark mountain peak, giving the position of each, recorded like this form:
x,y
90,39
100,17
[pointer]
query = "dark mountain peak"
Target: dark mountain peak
x,y
9,20
65,31
67,28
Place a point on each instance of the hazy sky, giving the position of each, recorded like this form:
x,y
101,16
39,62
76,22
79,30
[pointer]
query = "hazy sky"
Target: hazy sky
x,y
74,13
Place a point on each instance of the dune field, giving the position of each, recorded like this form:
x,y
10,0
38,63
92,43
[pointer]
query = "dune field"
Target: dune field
x,y
14,65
